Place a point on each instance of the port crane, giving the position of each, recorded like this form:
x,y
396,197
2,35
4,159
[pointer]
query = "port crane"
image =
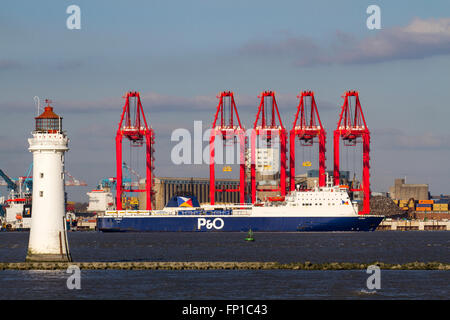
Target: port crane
x,y
135,130
126,179
229,131
8,181
352,129
266,126
306,128
20,187
71,181
27,180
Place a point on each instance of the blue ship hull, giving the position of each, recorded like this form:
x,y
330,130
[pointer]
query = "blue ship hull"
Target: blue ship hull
x,y
237,223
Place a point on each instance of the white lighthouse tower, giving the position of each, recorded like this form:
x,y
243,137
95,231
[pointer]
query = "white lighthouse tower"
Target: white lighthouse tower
x,y
48,236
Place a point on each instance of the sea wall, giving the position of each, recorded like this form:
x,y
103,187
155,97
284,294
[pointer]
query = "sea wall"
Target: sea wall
x,y
221,266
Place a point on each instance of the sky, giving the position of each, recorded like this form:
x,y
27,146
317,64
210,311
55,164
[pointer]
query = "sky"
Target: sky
x,y
180,54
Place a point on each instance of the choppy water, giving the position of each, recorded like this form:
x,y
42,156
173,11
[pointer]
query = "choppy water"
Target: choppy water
x,y
389,247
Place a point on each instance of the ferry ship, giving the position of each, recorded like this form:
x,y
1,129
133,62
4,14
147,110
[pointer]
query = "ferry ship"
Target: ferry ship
x,y
327,208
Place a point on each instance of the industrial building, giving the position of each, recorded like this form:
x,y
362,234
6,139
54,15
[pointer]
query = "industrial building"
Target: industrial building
x,y
166,187
267,161
402,191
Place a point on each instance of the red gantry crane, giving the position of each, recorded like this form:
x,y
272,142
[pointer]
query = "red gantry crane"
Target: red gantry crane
x,y
268,128
306,130
352,129
135,132
228,130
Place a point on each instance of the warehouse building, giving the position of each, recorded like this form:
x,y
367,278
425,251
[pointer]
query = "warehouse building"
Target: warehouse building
x,y
402,191
166,187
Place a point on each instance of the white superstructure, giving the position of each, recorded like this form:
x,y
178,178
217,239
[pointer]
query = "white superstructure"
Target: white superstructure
x,y
328,201
48,237
18,214
100,201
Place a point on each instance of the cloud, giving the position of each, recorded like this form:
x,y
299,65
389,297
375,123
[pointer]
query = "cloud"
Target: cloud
x,y
421,38
7,64
63,65
151,102
154,104
286,47
398,139
68,65
159,102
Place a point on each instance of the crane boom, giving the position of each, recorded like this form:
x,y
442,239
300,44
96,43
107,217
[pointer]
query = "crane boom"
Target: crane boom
x,y
10,183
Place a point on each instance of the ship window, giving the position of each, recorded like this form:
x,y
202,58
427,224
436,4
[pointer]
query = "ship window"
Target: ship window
x,y
41,174
62,175
41,193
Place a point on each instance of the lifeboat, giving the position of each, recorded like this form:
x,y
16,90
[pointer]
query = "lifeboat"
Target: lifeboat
x,y
280,198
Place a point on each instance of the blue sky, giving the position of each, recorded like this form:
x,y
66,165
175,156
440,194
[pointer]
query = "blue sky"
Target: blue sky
x,y
180,54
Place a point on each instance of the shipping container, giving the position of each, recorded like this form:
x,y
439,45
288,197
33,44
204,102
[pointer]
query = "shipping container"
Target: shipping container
x,y
424,205
426,201
440,207
423,209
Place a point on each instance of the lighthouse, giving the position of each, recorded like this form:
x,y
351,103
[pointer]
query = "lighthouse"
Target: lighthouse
x,y
48,236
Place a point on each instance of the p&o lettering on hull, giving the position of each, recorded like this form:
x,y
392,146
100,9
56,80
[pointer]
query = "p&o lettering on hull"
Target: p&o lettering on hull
x,y
209,224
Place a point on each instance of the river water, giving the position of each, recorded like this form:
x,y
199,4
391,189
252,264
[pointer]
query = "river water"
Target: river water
x,y
387,246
